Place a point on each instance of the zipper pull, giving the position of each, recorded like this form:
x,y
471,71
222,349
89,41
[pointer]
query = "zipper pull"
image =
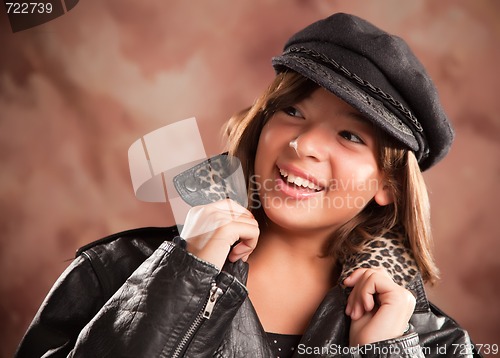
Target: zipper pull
x,y
215,292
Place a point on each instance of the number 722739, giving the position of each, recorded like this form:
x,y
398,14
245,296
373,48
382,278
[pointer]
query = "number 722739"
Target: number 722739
x,y
464,349
28,7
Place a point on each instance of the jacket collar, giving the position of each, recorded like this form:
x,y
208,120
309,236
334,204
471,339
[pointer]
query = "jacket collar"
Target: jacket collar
x,y
389,253
329,324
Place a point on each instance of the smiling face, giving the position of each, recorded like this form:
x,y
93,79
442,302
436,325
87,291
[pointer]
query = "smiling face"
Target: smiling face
x,y
330,175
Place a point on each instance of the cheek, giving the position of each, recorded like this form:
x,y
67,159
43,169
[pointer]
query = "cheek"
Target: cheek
x,y
262,149
267,148
366,172
270,134
360,177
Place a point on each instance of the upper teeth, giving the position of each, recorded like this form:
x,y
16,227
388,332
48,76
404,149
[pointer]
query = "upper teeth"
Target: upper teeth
x,y
298,180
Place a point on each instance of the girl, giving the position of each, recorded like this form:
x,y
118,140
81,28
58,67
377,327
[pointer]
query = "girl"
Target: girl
x,y
330,257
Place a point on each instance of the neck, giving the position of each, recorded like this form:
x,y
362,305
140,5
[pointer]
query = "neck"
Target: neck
x,y
294,252
289,267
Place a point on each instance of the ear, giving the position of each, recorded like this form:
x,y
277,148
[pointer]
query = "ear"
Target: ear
x,y
384,196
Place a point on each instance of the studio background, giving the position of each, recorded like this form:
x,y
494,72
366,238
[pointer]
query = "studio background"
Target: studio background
x,y
76,92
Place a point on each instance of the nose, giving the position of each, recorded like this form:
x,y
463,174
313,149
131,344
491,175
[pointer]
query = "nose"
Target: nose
x,y
314,143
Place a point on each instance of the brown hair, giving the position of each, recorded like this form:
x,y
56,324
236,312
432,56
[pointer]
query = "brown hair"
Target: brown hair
x,y
407,218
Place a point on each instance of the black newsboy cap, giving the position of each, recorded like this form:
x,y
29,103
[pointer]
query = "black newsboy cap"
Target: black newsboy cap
x,y
376,73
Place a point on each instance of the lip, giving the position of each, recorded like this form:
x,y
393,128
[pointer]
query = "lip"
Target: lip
x,y
295,191
300,173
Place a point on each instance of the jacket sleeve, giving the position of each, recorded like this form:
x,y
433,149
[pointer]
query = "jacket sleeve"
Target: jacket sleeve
x,y
173,304
406,346
447,342
433,334
63,313
440,335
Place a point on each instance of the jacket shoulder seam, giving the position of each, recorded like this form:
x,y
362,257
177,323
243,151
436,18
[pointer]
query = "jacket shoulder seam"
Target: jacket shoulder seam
x,y
99,271
139,232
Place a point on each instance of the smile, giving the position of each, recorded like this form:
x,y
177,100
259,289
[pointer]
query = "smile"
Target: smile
x,y
298,181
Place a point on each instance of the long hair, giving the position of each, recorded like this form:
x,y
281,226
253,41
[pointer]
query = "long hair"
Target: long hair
x,y
407,218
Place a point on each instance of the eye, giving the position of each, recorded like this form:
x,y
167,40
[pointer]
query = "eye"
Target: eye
x,y
351,137
293,112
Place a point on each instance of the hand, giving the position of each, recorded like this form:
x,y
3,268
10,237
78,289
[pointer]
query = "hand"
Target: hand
x,y
210,231
379,308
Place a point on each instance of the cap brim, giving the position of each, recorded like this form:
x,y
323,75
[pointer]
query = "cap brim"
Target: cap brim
x,y
372,108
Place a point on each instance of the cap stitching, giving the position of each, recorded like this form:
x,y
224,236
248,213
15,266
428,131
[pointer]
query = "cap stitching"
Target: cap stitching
x,y
398,105
375,105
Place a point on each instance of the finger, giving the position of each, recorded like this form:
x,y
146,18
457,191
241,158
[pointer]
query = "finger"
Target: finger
x,y
222,217
246,219
358,274
248,236
242,249
373,289
222,223
354,307
239,252
354,277
362,297
360,305
368,284
367,290
379,282
232,207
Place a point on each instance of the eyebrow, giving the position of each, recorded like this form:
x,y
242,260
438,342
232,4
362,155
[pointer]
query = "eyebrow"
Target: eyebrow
x,y
360,118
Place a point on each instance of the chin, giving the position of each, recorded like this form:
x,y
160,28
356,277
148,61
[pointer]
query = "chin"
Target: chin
x,y
297,219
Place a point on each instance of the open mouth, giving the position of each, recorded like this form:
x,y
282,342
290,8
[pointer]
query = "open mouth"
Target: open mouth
x,y
299,182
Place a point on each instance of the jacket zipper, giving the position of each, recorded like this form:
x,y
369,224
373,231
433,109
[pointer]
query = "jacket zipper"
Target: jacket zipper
x,y
203,315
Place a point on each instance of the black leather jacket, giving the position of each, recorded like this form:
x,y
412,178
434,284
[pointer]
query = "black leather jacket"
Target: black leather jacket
x,y
137,294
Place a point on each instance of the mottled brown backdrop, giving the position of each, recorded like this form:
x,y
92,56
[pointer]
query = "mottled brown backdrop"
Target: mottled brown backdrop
x,y
77,91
